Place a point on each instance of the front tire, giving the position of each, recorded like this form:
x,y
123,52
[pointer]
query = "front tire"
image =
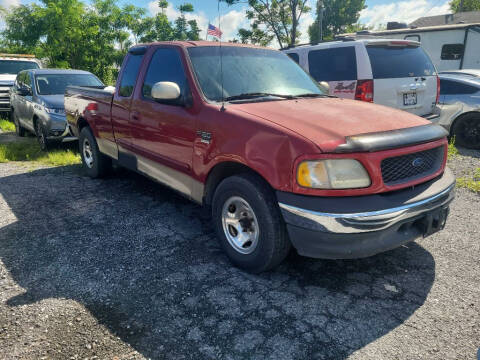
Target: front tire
x,y
248,223
20,131
41,133
467,131
95,164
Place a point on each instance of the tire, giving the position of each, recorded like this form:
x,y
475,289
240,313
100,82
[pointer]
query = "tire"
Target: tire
x,y
467,131
95,164
20,131
246,202
41,134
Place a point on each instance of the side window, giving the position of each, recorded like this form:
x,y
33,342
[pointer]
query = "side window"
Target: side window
x,y
335,64
166,65
294,57
452,51
130,74
27,80
456,88
21,79
413,37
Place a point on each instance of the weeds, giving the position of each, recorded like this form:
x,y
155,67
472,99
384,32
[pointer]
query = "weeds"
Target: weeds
x,y
6,125
452,149
470,182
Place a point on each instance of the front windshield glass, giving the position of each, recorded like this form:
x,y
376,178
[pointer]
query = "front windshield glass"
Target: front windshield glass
x,y
15,66
56,84
249,71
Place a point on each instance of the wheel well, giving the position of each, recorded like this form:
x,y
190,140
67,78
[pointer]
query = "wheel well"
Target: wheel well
x,y
477,113
222,171
81,123
35,119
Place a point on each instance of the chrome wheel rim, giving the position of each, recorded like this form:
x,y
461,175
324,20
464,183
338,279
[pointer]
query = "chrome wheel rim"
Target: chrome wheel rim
x,y
240,225
87,153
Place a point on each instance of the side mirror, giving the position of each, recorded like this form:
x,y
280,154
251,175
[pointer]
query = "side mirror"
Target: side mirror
x,y
23,91
325,85
166,91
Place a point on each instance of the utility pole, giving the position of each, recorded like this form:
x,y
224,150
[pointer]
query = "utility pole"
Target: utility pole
x,y
460,8
320,19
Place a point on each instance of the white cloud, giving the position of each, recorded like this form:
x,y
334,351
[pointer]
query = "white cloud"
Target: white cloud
x,y
402,11
9,3
231,21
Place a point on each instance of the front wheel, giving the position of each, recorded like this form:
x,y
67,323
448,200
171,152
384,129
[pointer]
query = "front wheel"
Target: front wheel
x,y
248,223
41,133
467,131
96,164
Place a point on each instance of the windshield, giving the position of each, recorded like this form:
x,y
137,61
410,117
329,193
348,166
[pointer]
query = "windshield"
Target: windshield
x,y
55,84
249,71
15,66
390,62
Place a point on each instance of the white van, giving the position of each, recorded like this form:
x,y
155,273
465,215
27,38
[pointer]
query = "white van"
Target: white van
x,y
395,73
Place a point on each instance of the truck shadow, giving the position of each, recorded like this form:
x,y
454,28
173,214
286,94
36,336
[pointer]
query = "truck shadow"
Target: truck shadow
x,y
146,264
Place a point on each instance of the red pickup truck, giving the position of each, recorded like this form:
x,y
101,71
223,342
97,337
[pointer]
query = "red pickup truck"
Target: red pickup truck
x,y
245,131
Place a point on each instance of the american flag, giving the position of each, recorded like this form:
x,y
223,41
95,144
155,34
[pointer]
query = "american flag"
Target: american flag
x,y
214,31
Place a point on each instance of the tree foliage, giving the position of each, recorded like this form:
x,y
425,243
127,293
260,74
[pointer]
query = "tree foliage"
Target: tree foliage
x,y
337,16
465,5
278,19
94,37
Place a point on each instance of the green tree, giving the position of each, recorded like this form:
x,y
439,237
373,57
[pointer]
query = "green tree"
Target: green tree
x,y
186,30
464,5
254,36
277,18
337,16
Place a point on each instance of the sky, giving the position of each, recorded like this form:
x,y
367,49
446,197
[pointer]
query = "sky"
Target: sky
x,y
233,17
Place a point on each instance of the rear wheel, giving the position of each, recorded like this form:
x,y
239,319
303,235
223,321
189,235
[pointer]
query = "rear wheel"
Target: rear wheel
x,y
96,164
18,128
467,131
248,223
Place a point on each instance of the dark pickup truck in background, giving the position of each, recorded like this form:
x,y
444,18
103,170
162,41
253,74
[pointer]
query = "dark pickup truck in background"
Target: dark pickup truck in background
x,y
279,162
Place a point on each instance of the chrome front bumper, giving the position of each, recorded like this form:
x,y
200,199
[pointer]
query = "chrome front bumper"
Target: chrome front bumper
x,y
367,221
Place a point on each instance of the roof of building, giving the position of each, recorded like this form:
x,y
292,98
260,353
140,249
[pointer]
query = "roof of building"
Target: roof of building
x,y
470,17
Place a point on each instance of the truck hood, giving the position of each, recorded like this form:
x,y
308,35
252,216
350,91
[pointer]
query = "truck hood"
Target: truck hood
x,y
7,79
327,121
52,101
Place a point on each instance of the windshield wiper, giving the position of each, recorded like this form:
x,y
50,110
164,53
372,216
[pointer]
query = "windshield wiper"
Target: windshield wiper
x,y
312,95
246,96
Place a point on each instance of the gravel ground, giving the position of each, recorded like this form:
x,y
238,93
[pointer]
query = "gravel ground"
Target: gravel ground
x,y
123,268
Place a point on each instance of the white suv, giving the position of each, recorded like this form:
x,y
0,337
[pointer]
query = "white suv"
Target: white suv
x,y
395,73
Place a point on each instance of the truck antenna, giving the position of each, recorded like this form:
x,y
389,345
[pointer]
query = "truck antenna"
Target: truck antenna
x,y
221,58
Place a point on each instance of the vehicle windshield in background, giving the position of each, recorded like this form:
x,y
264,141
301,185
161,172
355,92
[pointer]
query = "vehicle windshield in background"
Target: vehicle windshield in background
x,y
249,73
56,84
14,66
389,62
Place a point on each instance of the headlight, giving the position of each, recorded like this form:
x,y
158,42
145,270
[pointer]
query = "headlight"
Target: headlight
x,y
55,111
332,174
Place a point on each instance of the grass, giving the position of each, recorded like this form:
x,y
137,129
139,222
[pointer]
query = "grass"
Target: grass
x,y
470,182
452,149
30,151
6,125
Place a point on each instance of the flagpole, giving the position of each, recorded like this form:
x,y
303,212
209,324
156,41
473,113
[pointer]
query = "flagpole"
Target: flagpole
x,y
206,36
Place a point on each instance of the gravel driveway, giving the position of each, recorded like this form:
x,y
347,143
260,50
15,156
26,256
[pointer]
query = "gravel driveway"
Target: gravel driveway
x,y
123,268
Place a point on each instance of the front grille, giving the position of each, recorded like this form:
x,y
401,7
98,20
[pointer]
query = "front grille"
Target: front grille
x,y
410,167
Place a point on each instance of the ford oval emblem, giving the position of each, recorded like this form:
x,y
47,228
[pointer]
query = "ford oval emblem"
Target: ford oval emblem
x,y
418,162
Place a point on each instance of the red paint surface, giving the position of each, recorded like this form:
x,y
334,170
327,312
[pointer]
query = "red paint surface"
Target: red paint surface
x,y
269,137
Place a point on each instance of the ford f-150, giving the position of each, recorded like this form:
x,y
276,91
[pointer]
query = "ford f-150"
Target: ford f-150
x,y
245,131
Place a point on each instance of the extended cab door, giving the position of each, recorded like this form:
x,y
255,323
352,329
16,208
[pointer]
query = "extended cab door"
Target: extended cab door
x,y
164,132
122,100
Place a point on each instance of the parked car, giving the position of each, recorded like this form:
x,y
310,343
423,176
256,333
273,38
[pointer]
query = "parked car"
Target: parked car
x,y
38,106
394,73
279,162
460,107
471,73
10,66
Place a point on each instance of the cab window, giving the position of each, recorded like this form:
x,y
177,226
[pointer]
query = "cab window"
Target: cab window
x,y
166,65
130,73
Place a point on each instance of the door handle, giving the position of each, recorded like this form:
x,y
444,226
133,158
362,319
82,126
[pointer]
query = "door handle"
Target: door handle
x,y
135,116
